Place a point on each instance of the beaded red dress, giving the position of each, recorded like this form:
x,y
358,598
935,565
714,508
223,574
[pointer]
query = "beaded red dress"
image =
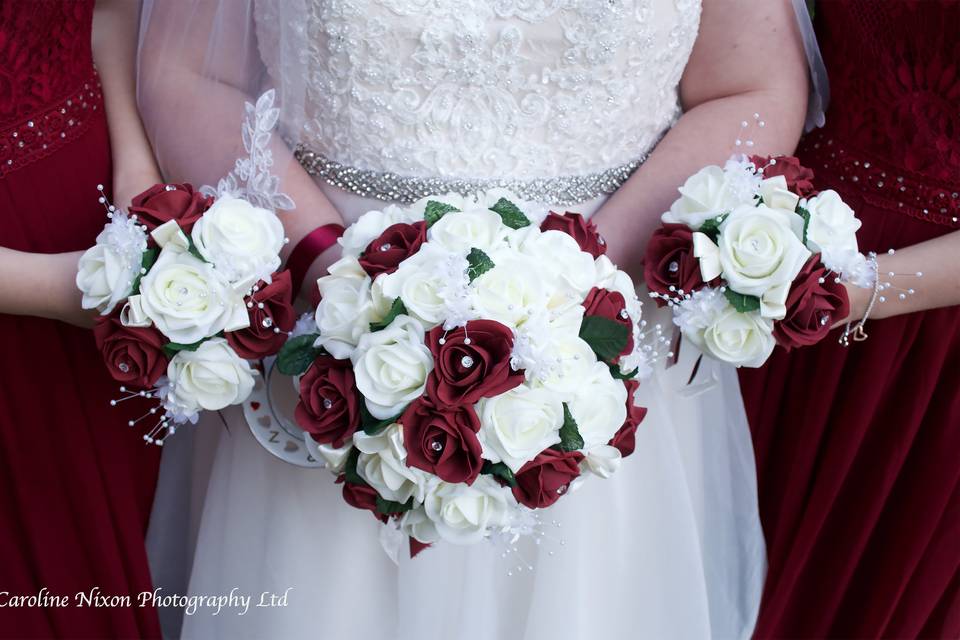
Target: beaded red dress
x,y
77,485
858,449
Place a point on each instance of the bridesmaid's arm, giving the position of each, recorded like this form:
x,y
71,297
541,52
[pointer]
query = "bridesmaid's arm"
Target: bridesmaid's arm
x,y
42,285
748,58
115,28
939,286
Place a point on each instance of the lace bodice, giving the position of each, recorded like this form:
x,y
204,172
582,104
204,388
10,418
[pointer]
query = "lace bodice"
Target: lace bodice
x,y
479,88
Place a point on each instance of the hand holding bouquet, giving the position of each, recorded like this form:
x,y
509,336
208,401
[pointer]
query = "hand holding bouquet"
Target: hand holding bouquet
x,y
750,256
188,291
472,358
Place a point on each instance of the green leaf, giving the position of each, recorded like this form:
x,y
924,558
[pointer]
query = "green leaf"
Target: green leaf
x,y
803,213
570,438
192,248
499,470
396,309
297,354
350,468
172,348
510,214
389,507
711,227
146,261
607,338
371,425
619,375
479,263
436,210
741,302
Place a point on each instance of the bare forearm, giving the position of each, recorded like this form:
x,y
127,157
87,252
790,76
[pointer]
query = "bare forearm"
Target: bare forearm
x,y
704,135
43,285
115,52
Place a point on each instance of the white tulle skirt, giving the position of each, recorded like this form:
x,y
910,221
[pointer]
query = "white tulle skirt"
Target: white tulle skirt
x,y
670,547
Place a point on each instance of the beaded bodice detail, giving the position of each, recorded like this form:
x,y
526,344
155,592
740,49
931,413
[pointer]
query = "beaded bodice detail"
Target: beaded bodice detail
x,y
478,89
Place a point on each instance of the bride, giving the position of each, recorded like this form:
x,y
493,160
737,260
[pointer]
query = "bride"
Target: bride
x,y
599,106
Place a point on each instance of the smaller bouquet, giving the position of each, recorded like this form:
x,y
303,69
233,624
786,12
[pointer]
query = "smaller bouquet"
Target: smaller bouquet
x,y
188,291
751,256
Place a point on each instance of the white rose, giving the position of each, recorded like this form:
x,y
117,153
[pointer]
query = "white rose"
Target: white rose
x,y
335,459
241,240
188,299
391,366
612,279
455,200
559,255
417,525
599,406
519,424
760,253
571,360
833,226
716,328
465,514
474,228
419,282
211,377
346,308
370,225
704,195
776,195
382,463
512,291
106,270
602,460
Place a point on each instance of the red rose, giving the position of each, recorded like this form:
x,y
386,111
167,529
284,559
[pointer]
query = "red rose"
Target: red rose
x,y
612,306
271,318
396,244
163,202
133,355
442,440
544,479
670,262
799,178
583,231
625,438
471,363
812,306
329,406
361,496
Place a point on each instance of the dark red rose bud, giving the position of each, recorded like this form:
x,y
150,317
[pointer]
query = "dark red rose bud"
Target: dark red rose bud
x,y
397,243
271,318
442,440
582,230
164,202
416,547
361,496
329,407
612,306
134,355
544,479
799,178
669,262
471,363
626,438
812,306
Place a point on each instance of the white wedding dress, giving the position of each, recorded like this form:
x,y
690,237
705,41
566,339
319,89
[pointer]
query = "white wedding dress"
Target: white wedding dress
x,y
558,100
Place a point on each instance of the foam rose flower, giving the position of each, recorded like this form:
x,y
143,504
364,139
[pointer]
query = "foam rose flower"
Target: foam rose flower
x,y
346,307
599,406
382,463
361,496
164,202
705,195
329,406
211,377
471,363
799,179
442,440
625,440
579,228
612,306
397,243
519,424
474,228
361,233
815,303
832,229
272,318
133,355
543,480
463,514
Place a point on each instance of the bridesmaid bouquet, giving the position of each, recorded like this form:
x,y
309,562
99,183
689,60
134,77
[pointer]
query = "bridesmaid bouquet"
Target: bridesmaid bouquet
x,y
188,291
751,256
471,359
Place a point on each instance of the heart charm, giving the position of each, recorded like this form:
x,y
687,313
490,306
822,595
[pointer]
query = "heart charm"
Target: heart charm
x,y
255,406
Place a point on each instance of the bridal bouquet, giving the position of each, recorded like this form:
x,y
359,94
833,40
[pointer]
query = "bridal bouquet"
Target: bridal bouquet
x,y
471,359
751,256
188,292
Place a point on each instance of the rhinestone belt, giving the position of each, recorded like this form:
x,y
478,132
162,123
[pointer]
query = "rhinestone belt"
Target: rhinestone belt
x,y
563,190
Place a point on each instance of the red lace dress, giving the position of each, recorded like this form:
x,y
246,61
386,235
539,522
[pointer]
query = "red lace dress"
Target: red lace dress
x,y
76,483
858,450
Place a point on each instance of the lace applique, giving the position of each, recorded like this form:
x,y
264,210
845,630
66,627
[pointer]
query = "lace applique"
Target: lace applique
x,y
478,88
251,177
